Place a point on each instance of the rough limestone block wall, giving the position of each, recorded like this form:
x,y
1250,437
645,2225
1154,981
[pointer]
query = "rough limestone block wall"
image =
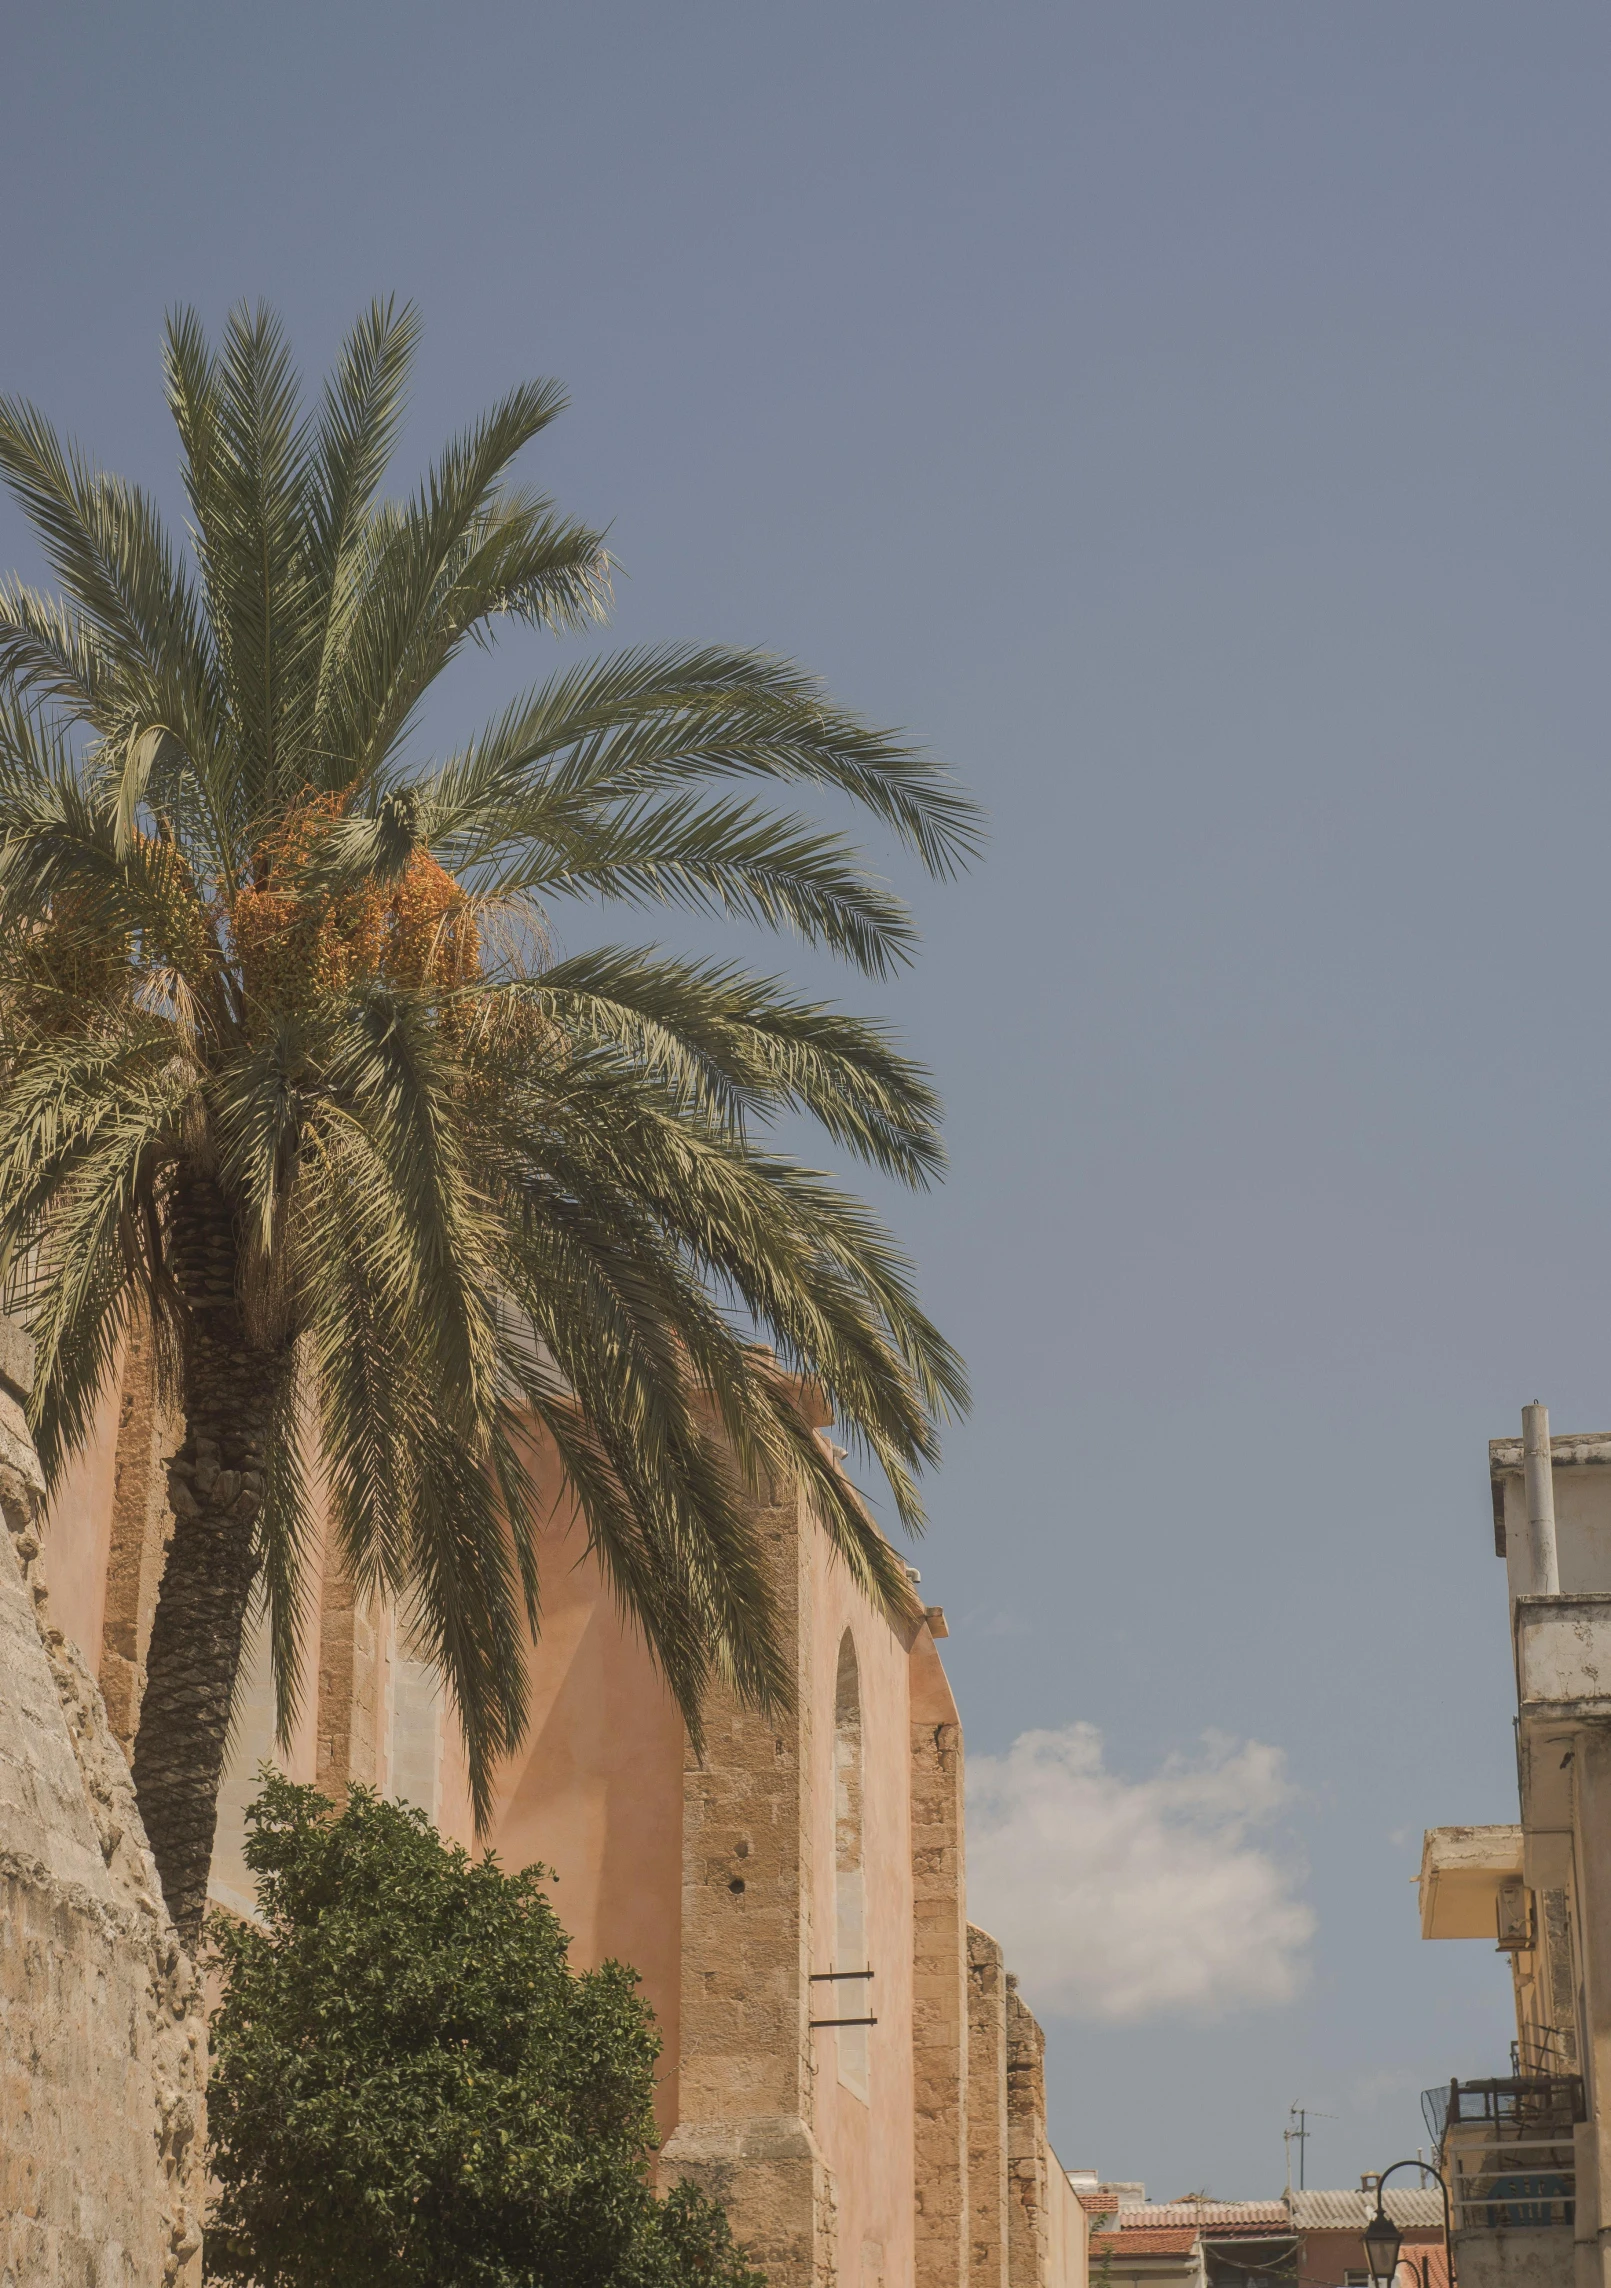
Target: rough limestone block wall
x,y
1028,2155
939,1977
102,2035
744,2130
987,2112
142,1526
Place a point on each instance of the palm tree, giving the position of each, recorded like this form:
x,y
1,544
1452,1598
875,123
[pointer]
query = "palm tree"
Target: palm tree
x,y
291,1074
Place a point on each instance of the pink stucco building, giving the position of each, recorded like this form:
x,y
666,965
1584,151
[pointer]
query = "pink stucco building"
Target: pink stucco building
x,y
798,1872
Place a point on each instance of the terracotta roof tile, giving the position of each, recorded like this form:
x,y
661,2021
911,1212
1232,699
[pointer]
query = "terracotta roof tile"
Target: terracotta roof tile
x,y
1407,2205
1146,2240
1213,2216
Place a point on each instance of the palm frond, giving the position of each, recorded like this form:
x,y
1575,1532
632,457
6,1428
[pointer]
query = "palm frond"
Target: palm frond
x,y
68,1096
35,752
105,543
463,1600
732,858
359,421
261,1111
50,651
413,1500
284,1536
801,1257
386,1076
421,596
246,461
745,1046
611,732
83,1132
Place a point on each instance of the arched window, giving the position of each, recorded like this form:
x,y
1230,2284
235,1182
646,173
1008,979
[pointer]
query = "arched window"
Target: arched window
x,y
850,1898
250,1745
415,1760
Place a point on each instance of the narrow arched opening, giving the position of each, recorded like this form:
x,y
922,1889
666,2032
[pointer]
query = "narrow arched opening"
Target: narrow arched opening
x,y
850,1889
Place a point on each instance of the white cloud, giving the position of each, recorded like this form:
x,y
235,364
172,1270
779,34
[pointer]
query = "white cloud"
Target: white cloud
x,y
1127,1899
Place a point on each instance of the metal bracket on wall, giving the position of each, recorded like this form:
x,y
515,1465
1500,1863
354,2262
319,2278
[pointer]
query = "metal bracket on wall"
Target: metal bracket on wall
x,y
831,1977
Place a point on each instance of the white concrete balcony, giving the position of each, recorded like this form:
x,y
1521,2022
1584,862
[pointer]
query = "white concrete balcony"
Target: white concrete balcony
x,y
1563,1653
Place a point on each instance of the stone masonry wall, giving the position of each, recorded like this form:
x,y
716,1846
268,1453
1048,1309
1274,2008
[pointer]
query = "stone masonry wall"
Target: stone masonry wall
x,y
744,2130
940,1978
1028,2155
102,2035
987,2112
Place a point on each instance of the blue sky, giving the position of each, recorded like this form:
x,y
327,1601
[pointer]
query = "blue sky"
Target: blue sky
x,y
1191,421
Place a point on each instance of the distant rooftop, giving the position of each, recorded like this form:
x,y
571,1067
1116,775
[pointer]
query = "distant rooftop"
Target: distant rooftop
x,y
1206,2214
1134,2223
1146,2240
1409,2206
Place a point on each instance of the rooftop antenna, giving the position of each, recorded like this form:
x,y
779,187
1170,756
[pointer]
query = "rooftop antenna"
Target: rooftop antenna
x,y
1298,2132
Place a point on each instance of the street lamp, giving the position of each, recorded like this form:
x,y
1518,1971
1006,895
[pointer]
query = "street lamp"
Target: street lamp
x,y
1382,2236
1382,2241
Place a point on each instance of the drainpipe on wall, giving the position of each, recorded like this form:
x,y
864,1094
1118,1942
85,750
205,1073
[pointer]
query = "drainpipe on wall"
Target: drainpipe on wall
x,y
1540,1481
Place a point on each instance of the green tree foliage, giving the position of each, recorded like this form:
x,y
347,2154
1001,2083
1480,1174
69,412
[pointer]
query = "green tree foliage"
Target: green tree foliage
x,y
411,2088
289,1068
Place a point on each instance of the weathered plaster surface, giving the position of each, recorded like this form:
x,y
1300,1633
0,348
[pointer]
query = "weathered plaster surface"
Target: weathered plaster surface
x,y
595,1792
1563,1650
141,1527
868,2143
1517,2259
102,2038
1067,2230
77,1528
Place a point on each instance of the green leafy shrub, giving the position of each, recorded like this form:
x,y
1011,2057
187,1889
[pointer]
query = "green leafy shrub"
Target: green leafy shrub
x,y
410,2085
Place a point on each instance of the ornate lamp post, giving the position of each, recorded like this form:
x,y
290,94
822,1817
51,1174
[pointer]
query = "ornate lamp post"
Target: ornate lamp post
x,y
1382,2235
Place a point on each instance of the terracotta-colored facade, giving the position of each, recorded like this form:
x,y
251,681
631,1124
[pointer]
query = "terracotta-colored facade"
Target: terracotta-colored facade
x,y
1332,2258
742,1883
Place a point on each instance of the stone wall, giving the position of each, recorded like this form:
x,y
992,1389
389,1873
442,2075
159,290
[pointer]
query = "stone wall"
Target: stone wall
x,y
987,2112
764,2122
744,2067
939,1976
1029,2157
102,2036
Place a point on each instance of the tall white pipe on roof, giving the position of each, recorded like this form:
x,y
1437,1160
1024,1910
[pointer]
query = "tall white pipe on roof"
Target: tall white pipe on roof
x,y
1540,1481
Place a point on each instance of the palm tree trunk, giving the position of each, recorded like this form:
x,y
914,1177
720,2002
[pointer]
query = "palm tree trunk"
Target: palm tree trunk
x,y
215,1489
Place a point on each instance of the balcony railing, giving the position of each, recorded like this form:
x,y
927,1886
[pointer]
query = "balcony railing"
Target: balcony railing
x,y
1507,2150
